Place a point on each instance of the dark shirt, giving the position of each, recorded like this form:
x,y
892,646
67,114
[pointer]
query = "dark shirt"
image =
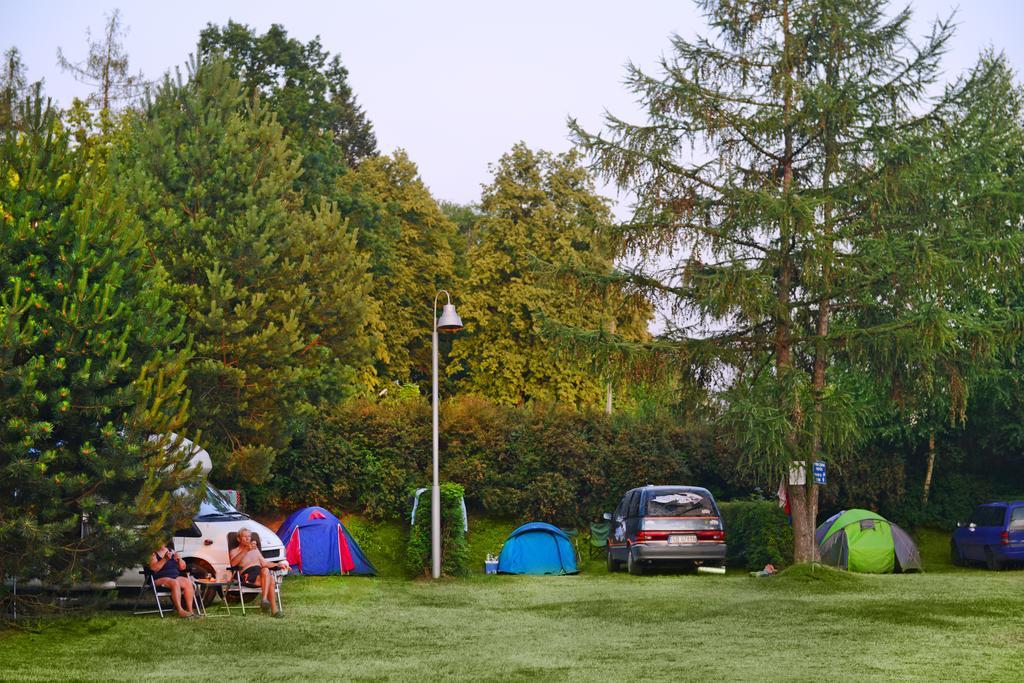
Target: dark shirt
x,y
170,568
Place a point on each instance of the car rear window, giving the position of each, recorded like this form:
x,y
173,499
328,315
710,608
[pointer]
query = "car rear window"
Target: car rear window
x,y
1017,519
679,504
988,515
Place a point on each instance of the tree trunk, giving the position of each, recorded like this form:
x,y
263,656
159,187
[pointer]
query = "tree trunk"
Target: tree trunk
x,y
803,499
930,469
803,504
608,397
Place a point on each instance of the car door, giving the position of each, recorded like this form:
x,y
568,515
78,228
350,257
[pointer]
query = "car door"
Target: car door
x,y
633,516
1016,529
966,536
617,533
984,529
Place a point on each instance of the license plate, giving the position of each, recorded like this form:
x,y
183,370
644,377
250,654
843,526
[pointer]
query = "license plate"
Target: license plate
x,y
680,539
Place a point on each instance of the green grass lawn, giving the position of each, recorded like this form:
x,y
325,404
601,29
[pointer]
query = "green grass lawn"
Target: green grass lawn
x,y
946,624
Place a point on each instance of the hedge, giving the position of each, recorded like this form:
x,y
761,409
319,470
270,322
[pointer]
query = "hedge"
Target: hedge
x,y
559,465
539,462
757,533
454,549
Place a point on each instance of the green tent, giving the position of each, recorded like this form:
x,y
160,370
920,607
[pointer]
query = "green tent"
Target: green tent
x,y
865,541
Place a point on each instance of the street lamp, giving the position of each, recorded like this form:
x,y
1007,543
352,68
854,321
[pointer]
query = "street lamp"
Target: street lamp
x,y
448,322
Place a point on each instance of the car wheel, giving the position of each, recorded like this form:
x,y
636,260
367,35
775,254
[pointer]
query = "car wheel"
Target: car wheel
x,y
611,562
955,556
633,565
991,561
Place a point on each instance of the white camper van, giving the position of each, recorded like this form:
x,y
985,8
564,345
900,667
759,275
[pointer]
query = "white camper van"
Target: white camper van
x,y
204,544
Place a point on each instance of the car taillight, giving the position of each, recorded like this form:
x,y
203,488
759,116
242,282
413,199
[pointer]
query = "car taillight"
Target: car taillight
x,y
644,536
711,535
1004,538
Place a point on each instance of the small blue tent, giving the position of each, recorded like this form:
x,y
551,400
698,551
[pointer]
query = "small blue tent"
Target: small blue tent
x,y
537,548
316,542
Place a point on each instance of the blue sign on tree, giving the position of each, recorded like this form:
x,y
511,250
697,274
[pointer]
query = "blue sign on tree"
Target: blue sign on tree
x,y
819,472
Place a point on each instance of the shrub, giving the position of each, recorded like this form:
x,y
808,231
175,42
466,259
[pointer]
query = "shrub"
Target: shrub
x,y
540,462
454,550
757,533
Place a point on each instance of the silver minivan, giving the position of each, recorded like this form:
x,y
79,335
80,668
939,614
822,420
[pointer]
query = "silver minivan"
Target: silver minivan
x,y
665,524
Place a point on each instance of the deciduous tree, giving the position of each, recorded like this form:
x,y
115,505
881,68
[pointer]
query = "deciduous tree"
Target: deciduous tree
x,y
417,261
540,213
308,88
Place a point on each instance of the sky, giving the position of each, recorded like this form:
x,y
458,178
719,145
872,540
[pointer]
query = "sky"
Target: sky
x,y
455,83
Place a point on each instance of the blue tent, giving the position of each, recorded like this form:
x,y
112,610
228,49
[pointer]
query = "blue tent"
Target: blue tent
x,y
316,542
537,548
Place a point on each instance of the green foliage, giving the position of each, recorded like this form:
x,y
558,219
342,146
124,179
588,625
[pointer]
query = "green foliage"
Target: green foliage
x,y
274,294
542,462
454,549
415,260
829,225
757,533
540,212
91,365
358,456
14,88
308,89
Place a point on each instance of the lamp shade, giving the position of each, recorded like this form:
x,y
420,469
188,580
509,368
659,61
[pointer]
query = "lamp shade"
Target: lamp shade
x,y
449,320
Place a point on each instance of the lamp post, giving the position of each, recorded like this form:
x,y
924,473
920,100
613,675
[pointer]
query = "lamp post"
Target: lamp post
x,y
448,322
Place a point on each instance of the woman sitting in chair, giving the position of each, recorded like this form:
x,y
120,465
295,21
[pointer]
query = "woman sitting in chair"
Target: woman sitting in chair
x,y
166,567
256,569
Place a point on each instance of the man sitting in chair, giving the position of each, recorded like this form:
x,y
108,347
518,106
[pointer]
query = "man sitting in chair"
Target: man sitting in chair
x,y
256,569
166,567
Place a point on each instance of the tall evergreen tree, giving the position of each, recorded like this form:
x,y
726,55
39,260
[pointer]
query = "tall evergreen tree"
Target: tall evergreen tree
x,y
88,368
809,117
14,89
267,287
540,212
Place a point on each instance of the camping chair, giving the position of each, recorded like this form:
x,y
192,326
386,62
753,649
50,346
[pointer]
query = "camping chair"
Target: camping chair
x,y
599,538
240,585
160,592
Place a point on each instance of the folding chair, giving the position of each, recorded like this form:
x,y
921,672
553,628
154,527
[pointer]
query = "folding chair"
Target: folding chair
x,y
599,538
240,585
159,592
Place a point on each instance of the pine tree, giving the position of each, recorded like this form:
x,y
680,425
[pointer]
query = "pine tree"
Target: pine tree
x,y
14,89
809,121
88,369
266,286
540,212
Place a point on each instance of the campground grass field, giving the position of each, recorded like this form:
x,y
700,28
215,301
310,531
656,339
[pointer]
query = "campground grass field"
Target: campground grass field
x,y
946,624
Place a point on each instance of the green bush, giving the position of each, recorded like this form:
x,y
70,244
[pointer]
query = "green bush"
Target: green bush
x,y
757,533
454,550
538,462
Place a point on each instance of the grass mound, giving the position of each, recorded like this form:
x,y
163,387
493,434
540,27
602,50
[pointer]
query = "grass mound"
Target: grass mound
x,y
813,574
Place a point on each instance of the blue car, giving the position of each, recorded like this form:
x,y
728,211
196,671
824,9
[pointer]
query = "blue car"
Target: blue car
x,y
993,535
